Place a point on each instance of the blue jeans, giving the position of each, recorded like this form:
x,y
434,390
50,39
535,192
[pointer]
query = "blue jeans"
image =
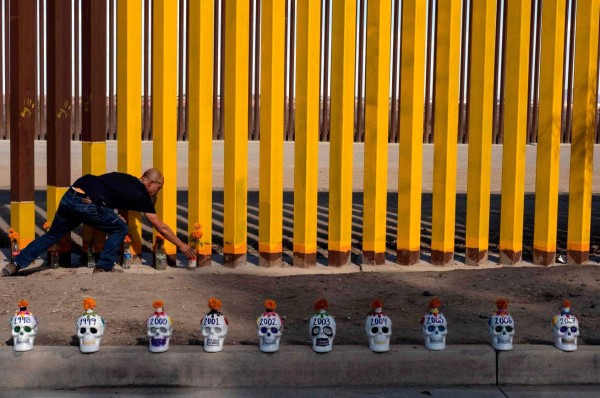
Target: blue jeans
x,y
72,212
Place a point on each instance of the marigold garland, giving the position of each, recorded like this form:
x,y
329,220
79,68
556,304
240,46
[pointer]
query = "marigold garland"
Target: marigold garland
x,y
89,303
157,304
127,239
214,304
321,304
197,226
23,304
435,303
502,303
197,234
376,304
46,226
270,305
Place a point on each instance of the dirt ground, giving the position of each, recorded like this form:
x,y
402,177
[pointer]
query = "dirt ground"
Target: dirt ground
x,y
467,294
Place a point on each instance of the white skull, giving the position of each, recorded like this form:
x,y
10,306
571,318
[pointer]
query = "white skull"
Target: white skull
x,y
502,331
160,330
379,330
90,329
214,330
23,329
270,329
566,331
322,331
435,330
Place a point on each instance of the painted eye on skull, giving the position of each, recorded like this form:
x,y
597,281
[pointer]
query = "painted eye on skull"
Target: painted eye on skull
x,y
328,331
163,329
153,329
92,330
375,329
432,328
27,329
315,330
564,329
509,329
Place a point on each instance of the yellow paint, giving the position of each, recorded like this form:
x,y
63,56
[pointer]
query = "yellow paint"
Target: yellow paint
x,y
93,157
271,125
342,124
550,113
481,122
129,92
583,132
446,125
270,247
376,124
231,248
412,101
205,250
236,126
305,249
307,126
22,220
515,125
53,197
200,118
164,110
339,246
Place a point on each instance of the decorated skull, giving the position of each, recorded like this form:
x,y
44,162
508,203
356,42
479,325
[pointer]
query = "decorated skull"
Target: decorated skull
x,y
90,328
214,327
502,327
160,328
434,327
270,328
378,327
23,327
565,328
322,327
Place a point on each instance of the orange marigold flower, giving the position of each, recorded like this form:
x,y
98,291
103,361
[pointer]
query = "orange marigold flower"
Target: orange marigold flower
x,y
46,225
502,303
23,303
127,239
214,304
89,303
435,303
197,226
157,304
321,304
13,235
270,305
566,304
11,230
197,234
376,304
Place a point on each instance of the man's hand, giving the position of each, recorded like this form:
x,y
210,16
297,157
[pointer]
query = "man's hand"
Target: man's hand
x,y
188,251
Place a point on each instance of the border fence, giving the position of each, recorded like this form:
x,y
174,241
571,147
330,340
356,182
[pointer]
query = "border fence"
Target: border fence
x,y
344,71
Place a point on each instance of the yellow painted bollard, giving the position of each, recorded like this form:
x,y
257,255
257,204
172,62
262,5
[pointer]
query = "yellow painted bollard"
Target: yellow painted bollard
x,y
483,54
376,130
271,133
164,111
236,132
548,148
447,70
342,131
410,157
307,133
129,93
515,130
200,116
583,131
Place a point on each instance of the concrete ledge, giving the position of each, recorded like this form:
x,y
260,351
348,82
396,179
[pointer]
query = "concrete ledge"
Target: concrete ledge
x,y
547,365
240,366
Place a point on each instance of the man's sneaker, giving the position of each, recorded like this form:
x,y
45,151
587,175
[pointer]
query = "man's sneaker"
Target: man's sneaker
x,y
10,269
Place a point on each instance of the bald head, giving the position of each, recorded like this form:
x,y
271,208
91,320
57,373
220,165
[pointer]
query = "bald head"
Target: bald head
x,y
153,174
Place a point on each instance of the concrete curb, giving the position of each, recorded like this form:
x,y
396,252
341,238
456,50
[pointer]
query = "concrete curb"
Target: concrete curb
x,y
546,365
243,366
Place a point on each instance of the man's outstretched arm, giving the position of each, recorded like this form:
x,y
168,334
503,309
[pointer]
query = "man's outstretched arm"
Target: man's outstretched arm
x,y
169,235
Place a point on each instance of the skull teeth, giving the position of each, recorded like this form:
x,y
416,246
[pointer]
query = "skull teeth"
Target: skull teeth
x,y
322,342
